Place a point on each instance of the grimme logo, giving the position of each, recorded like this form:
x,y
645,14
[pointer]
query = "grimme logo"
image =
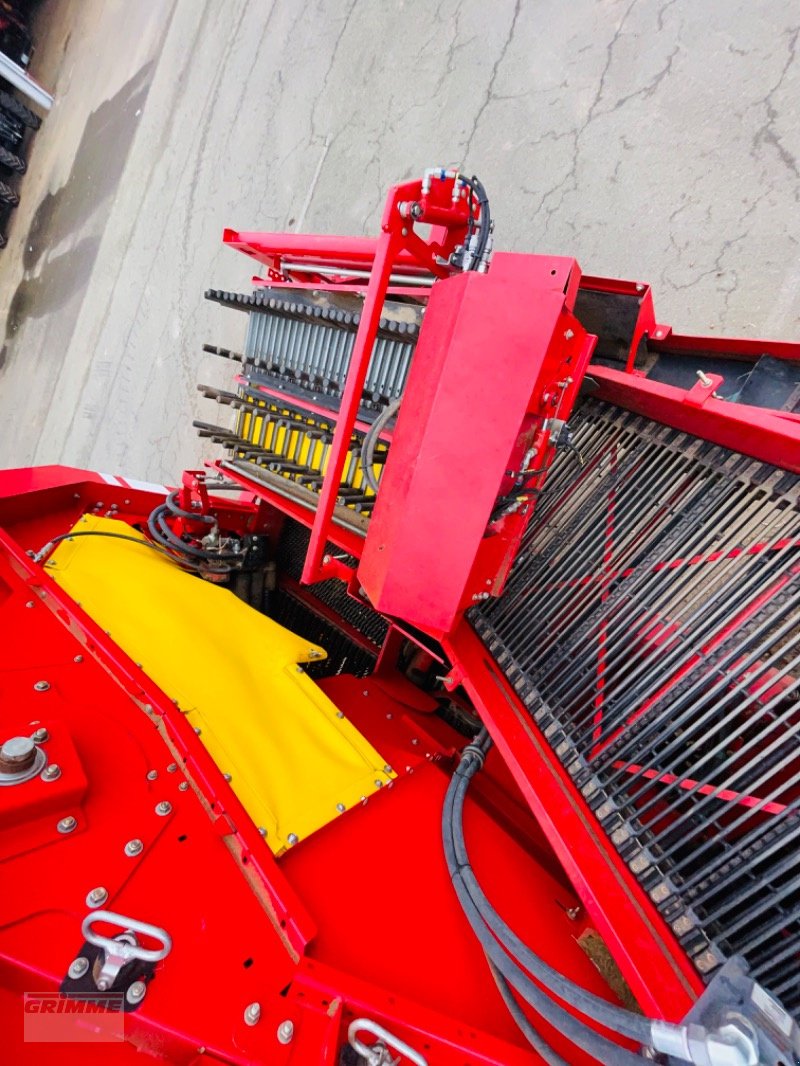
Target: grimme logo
x,y
51,1017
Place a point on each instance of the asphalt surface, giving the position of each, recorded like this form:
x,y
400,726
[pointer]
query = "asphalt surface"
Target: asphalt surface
x,y
655,140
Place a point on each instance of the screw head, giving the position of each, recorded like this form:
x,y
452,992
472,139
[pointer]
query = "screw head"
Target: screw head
x,y
136,992
293,838
152,775
133,847
97,897
42,686
285,1031
163,808
78,967
183,786
51,772
66,825
40,735
252,1014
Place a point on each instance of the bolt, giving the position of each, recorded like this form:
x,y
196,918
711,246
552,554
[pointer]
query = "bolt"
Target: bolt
x,y
414,740
29,603
152,775
102,985
568,335
658,334
136,992
378,783
198,731
340,714
293,838
148,708
133,847
183,786
173,766
40,736
227,777
42,686
639,286
340,807
252,1014
326,559
387,769
262,830
390,716
78,967
66,825
163,808
97,897
77,658
573,912
51,772
285,1031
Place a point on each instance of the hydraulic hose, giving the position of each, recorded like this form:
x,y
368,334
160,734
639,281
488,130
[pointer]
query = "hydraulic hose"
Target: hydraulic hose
x,y
371,439
500,943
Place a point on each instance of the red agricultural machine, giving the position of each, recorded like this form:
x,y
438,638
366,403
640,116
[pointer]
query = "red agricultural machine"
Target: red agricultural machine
x,y
449,717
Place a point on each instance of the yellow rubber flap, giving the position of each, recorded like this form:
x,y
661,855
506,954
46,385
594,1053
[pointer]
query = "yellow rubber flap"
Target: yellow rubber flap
x,y
233,672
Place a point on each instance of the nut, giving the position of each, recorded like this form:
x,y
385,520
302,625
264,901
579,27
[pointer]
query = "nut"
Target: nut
x,y
97,897
134,847
136,992
66,825
252,1014
78,968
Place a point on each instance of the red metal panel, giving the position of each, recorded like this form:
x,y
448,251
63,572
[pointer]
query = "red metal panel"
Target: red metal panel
x,y
490,352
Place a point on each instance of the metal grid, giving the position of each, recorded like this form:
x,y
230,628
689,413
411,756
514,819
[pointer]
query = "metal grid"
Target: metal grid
x,y
651,624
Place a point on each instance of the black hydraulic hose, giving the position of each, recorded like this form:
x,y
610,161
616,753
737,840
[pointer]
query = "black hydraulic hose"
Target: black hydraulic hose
x,y
371,439
620,1020
160,531
493,932
477,188
99,533
174,509
532,1035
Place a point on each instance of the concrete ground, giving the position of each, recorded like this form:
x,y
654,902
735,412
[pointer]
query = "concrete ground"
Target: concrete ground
x,y
653,139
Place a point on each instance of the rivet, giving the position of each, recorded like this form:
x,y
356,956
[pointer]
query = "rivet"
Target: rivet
x,y
51,772
285,1032
66,825
293,838
163,808
40,736
183,786
136,992
340,807
78,968
42,686
152,775
77,658
97,897
252,1014
133,847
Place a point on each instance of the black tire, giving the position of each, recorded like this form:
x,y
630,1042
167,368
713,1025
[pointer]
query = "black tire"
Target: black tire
x,y
19,110
7,195
13,162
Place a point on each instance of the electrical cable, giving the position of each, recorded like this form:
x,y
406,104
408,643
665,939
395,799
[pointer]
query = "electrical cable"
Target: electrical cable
x,y
507,952
370,441
99,533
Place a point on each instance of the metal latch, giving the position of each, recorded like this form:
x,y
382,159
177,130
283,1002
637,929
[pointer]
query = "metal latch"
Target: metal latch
x,y
123,948
378,1054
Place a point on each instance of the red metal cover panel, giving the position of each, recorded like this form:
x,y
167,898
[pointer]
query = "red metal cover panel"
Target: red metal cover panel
x,y
480,356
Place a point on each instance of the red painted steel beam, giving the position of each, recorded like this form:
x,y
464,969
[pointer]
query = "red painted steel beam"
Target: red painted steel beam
x,y
767,435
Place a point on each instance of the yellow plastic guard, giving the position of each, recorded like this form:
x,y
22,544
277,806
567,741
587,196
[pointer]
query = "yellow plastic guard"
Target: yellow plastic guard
x,y
233,673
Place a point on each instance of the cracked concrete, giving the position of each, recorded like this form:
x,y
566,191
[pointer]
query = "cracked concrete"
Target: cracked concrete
x,y
654,140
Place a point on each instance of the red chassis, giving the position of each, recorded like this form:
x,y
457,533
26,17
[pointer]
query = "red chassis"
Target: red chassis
x,y
360,920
